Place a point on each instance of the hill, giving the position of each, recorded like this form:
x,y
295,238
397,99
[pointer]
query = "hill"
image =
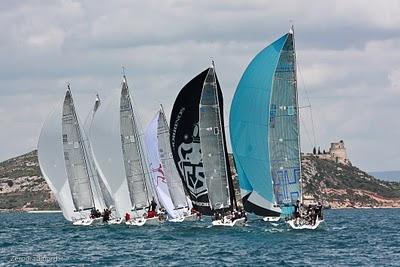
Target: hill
x,y
22,186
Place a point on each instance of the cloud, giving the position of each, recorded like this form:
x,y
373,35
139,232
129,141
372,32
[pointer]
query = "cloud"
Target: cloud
x,y
347,55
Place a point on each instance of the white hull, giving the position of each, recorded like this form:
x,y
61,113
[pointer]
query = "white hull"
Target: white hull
x,y
271,219
142,221
293,225
88,221
188,218
115,221
228,222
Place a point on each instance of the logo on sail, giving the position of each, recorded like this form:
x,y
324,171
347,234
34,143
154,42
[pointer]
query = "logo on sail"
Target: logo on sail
x,y
160,174
191,165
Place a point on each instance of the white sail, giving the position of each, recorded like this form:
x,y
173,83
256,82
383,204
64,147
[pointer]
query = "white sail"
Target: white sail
x,y
174,182
134,158
212,145
157,170
105,140
51,162
101,192
76,161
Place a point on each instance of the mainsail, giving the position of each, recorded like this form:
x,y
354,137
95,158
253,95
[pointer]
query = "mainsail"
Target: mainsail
x,y
185,142
134,158
264,129
213,146
174,182
157,170
75,156
284,139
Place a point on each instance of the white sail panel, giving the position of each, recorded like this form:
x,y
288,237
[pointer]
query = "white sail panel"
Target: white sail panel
x,y
105,140
174,181
212,145
134,158
75,160
157,170
52,165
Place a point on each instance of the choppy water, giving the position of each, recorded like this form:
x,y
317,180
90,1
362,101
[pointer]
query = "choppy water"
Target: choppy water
x,y
350,238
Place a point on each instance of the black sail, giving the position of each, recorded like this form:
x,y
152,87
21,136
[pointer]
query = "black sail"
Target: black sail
x,y
185,142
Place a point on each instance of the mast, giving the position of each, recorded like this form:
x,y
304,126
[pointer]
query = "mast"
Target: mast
x,y
291,31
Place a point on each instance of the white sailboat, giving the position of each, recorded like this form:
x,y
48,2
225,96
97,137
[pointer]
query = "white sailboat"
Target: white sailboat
x,y
165,177
65,164
136,171
213,149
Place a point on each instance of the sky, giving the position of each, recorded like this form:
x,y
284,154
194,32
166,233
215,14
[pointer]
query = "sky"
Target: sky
x,y
347,51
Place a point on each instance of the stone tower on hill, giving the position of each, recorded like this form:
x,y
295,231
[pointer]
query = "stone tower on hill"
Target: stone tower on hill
x,y
337,152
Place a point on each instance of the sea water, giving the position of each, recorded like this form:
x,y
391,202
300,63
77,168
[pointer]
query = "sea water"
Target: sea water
x,y
368,237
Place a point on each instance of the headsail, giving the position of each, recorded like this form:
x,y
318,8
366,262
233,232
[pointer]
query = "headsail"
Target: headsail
x,y
133,154
100,190
105,140
52,164
157,170
185,142
250,130
213,147
75,157
174,181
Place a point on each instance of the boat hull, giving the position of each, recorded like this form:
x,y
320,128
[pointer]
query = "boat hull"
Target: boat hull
x,y
229,223
88,221
293,225
188,218
145,221
271,219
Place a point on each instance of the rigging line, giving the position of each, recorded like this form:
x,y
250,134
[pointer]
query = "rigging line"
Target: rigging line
x,y
309,104
305,129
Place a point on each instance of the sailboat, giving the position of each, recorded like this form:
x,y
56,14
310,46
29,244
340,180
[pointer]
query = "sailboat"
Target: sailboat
x,y
140,188
199,147
165,177
65,164
265,136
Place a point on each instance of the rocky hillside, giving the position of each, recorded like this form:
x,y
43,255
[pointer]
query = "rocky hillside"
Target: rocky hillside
x,y
22,185
340,186
345,186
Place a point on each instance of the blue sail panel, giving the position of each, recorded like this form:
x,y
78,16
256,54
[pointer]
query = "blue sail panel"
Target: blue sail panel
x,y
249,118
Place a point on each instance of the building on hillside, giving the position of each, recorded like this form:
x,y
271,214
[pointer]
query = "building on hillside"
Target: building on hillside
x,y
337,152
